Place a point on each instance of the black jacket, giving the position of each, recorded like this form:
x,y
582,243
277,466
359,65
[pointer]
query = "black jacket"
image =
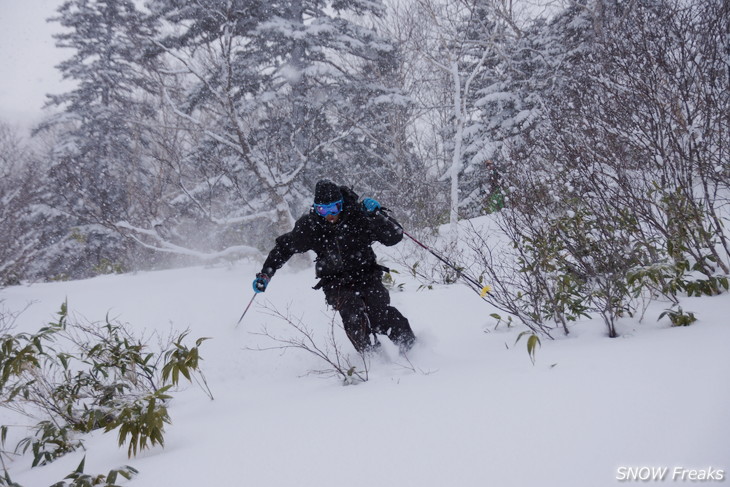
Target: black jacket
x,y
344,249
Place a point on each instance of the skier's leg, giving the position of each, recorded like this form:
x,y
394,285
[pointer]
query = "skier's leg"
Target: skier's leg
x,y
400,329
385,318
352,311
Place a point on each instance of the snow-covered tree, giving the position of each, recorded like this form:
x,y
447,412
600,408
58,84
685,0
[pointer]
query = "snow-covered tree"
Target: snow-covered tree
x,y
273,91
98,166
464,42
20,223
619,182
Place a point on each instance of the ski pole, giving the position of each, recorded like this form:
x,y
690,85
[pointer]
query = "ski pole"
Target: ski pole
x,y
246,310
482,290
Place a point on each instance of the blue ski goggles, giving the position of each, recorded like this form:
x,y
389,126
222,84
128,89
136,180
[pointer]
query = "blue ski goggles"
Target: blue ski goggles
x,y
325,209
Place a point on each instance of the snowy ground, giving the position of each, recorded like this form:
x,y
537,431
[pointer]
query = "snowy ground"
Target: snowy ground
x,y
472,410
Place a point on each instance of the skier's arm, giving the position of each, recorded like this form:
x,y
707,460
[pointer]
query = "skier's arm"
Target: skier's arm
x,y
382,229
385,231
286,246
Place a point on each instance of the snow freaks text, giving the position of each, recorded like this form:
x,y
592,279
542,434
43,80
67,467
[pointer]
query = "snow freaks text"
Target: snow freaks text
x,y
658,474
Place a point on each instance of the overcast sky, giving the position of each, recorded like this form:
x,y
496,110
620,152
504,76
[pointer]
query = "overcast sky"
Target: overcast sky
x,y
27,59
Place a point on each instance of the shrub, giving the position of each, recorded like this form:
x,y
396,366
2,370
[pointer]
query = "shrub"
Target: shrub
x,y
73,378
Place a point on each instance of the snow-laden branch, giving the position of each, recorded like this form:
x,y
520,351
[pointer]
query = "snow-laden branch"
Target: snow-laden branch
x,y
218,137
269,215
192,71
162,245
287,179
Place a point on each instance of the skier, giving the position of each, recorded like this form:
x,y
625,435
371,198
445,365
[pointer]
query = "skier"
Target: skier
x,y
341,231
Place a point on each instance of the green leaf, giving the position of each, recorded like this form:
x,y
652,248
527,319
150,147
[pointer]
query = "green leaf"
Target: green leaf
x,y
532,343
80,468
112,477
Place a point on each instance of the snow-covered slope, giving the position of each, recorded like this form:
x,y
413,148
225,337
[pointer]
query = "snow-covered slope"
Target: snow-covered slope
x,y
469,410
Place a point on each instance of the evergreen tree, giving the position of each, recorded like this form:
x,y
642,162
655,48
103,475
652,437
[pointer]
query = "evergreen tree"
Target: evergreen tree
x,y
97,167
529,66
377,157
463,42
21,224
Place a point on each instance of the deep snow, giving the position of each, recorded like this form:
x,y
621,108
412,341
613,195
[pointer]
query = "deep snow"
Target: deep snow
x,y
471,410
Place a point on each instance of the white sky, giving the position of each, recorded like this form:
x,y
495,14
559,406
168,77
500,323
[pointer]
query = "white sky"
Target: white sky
x,y
28,57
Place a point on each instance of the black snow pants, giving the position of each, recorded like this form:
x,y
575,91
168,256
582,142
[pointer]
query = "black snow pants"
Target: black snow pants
x,y
364,306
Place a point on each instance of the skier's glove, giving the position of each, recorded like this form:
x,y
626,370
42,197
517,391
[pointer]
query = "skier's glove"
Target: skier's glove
x,y
370,205
260,283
